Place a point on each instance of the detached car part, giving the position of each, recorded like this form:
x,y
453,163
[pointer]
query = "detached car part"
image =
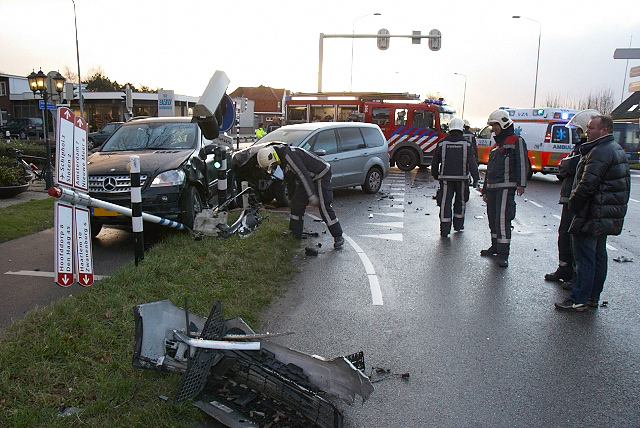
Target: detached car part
x,y
231,385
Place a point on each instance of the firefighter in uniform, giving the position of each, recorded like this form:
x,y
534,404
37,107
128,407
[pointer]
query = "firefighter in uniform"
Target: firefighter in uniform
x,y
313,185
506,175
453,161
471,138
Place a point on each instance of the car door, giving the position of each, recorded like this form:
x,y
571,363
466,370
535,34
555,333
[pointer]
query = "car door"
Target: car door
x,y
325,143
353,154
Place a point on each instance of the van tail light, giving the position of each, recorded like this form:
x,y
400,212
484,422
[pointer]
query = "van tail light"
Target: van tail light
x,y
547,137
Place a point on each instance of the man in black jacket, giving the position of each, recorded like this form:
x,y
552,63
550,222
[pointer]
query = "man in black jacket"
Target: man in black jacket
x,y
313,186
453,161
506,175
567,171
599,204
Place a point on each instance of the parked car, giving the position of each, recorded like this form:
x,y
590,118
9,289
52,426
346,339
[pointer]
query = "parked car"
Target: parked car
x,y
177,170
627,134
356,151
97,138
24,127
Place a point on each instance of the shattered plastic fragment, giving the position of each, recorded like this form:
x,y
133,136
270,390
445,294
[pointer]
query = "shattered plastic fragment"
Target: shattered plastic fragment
x,y
623,259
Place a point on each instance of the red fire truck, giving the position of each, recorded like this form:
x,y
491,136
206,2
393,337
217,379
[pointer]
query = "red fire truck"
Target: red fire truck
x,y
412,127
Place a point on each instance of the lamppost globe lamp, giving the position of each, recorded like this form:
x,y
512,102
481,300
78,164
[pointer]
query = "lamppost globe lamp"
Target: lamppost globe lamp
x,y
38,83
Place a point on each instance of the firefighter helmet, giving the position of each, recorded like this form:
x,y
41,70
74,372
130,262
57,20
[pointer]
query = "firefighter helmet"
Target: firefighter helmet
x,y
267,157
456,124
467,124
582,118
501,117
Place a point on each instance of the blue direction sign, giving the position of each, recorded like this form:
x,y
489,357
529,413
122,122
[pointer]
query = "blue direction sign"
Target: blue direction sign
x,y
49,105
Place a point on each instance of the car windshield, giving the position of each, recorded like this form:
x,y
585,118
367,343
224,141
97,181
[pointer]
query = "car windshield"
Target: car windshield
x,y
290,136
156,136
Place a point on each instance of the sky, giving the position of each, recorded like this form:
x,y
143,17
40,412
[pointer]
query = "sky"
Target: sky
x,y
178,45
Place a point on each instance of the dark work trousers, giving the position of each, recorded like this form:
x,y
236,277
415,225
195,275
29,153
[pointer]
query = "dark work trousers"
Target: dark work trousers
x,y
299,205
453,192
565,252
501,209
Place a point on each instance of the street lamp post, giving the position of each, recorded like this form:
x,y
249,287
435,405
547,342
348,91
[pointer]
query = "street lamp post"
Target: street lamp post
x,y
38,83
535,88
464,96
353,32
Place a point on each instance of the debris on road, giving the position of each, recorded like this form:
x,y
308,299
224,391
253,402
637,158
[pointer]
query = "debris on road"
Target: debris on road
x,y
623,259
271,385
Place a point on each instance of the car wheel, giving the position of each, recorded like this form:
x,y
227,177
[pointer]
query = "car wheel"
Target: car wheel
x,y
96,227
191,206
23,135
406,159
373,181
529,170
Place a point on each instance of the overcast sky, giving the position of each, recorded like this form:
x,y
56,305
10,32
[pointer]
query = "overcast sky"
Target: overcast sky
x,y
178,44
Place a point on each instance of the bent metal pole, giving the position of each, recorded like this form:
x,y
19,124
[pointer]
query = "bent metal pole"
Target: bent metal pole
x,y
77,198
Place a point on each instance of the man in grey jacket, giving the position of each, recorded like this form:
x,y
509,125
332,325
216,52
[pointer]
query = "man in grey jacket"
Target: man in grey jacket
x,y
599,204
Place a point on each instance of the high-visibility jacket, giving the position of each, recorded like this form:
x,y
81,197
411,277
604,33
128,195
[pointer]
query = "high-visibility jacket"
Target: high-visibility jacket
x,y
260,132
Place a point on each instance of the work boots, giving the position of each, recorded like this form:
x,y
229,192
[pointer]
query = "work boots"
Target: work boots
x,y
563,273
492,250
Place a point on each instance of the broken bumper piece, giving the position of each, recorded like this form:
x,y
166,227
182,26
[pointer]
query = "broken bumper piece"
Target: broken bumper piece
x,y
266,384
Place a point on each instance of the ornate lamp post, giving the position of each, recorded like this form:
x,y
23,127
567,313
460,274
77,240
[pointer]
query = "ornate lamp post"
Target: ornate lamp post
x,y
38,83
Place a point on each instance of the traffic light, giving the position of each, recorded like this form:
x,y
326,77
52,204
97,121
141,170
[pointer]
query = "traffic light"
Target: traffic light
x,y
383,42
436,41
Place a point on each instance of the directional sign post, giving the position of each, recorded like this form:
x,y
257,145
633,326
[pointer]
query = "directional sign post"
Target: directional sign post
x,y
64,244
73,226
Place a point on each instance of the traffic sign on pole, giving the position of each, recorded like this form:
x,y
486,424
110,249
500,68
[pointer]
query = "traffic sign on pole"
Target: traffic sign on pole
x,y
80,178
83,256
634,71
64,146
64,244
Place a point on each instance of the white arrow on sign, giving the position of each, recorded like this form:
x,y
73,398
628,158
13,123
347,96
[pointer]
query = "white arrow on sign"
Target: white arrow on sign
x,y
64,244
64,146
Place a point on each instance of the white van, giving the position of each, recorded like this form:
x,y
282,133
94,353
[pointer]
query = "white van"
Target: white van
x,y
545,132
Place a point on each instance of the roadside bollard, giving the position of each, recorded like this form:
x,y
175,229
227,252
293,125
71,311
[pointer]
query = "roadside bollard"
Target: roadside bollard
x,y
245,195
8,134
136,208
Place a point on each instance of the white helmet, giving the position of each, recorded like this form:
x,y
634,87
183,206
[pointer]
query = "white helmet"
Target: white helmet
x,y
501,117
456,124
267,156
467,124
582,118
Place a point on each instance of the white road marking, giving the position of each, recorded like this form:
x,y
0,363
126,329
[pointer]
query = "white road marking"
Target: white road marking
x,y
557,216
633,200
399,215
398,224
535,203
390,236
44,274
374,284
611,247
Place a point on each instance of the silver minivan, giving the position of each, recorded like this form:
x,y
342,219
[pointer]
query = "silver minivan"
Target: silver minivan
x,y
356,151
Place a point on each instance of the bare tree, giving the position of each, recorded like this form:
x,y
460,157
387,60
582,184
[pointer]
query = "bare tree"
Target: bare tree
x,y
602,101
69,74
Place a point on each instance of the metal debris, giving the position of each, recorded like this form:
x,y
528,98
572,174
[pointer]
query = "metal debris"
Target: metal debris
x,y
275,386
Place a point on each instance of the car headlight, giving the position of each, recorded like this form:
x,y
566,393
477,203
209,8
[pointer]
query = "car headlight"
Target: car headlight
x,y
175,177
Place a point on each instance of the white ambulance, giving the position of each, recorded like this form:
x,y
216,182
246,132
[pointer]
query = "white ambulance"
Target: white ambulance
x,y
544,130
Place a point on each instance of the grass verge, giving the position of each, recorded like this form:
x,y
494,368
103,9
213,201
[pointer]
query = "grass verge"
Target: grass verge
x,y
77,351
26,218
